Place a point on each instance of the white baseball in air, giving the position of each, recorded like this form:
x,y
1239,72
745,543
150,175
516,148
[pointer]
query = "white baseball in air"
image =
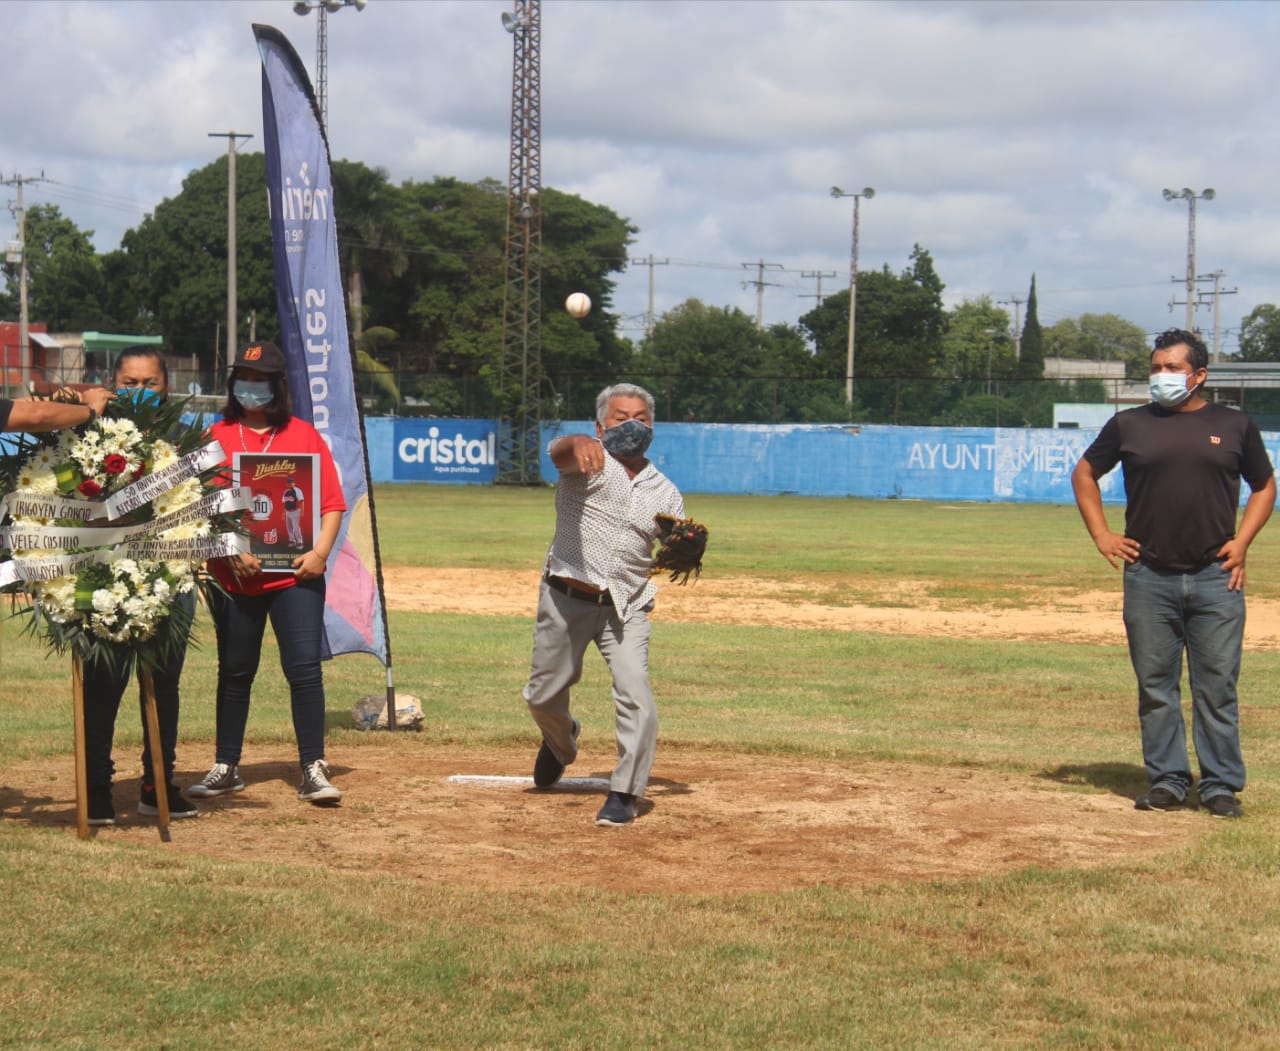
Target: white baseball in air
x,y
578,304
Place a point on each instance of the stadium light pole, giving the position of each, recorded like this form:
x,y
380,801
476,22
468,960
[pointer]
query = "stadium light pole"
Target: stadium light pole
x,y
323,8
867,192
1186,193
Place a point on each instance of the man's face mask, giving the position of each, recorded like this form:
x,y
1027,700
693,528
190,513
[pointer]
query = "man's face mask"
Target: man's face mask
x,y
138,395
629,439
1169,389
253,394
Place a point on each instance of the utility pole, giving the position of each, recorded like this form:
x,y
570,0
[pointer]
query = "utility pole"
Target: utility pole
x,y
24,336
819,274
760,283
650,263
1017,324
1190,196
868,192
232,327
1217,293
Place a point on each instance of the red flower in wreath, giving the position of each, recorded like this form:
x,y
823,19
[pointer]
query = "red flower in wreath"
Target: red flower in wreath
x,y
90,488
114,463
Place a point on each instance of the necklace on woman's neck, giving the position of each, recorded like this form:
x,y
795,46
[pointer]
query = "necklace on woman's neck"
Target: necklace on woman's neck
x,y
265,448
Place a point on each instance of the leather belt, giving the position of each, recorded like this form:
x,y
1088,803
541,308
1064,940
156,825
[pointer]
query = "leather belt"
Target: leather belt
x,y
602,598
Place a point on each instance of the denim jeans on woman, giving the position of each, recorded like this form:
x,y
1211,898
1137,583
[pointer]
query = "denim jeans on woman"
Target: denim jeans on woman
x,y
1165,614
297,618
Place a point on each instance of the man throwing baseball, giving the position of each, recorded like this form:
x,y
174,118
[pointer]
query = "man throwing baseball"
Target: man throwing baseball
x,y
596,588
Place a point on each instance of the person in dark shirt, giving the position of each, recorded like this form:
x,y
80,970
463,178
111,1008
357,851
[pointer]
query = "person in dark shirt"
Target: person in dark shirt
x,y
1184,566
35,416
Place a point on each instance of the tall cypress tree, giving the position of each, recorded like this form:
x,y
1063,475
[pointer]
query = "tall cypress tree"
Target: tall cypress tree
x,y
1031,356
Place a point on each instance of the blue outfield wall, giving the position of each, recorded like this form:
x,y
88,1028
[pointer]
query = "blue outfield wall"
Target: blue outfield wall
x,y
910,463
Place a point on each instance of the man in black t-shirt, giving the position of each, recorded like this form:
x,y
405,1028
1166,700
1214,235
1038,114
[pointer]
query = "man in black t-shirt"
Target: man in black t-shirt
x,y
1183,458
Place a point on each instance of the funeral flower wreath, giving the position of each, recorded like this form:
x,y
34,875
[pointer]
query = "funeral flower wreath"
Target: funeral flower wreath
x,y
104,526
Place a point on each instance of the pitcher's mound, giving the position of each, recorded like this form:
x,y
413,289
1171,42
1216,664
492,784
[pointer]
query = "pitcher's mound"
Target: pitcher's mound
x,y
711,823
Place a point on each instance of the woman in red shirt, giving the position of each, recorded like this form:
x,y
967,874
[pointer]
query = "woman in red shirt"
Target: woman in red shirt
x,y
258,418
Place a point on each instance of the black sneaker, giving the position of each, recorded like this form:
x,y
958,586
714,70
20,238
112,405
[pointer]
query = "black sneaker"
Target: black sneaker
x,y
221,779
149,806
1224,804
1159,798
101,809
618,809
547,769
315,787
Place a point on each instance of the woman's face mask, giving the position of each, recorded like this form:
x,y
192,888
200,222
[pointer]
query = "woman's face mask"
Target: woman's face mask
x,y
253,394
141,395
627,440
1169,389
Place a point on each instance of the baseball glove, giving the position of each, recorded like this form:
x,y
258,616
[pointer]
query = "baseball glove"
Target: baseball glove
x,y
683,543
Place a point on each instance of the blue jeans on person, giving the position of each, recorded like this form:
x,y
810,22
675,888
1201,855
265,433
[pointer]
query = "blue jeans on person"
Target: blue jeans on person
x,y
297,618
105,682
1165,614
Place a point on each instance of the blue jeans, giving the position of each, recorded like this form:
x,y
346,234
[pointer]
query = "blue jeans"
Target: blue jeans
x,y
1166,613
297,618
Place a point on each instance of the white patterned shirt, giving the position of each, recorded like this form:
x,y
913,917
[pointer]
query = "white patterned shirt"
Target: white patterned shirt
x,y
605,529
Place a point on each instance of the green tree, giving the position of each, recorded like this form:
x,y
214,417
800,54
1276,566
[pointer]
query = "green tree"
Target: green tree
x,y
705,363
1100,337
370,236
1031,347
900,325
177,259
1260,334
977,345
66,286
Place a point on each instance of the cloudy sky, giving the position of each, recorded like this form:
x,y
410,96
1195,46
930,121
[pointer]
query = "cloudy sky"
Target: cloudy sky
x,y
1007,138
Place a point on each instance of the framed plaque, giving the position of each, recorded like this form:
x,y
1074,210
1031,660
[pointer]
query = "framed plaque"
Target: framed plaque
x,y
284,510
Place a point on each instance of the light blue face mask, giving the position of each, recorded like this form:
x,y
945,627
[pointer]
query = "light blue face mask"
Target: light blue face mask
x,y
140,395
1169,389
253,394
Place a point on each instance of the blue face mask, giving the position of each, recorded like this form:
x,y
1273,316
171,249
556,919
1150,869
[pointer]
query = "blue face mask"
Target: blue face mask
x,y
1169,389
140,395
253,394
627,440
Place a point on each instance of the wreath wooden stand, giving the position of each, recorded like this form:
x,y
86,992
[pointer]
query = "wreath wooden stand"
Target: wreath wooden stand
x,y
153,738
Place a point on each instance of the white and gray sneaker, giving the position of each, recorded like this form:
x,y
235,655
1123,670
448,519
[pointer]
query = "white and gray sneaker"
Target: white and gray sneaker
x,y
221,779
315,787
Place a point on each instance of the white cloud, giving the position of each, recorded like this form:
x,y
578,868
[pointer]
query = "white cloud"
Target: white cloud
x,y
1007,138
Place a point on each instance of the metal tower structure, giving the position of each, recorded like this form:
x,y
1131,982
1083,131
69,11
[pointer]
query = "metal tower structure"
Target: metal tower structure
x,y
520,427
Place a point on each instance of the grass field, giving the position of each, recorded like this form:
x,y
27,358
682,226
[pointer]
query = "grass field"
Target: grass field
x,y
121,945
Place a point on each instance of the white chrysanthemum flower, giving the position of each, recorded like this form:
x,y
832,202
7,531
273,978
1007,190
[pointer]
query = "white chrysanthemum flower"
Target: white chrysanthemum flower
x,y
43,482
107,600
126,569
46,457
162,454
160,590
186,531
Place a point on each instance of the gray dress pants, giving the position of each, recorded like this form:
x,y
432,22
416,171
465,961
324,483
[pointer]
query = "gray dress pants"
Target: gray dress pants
x,y
565,627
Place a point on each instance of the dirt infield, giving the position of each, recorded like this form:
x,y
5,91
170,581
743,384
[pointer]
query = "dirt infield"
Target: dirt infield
x,y
713,822
1087,616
